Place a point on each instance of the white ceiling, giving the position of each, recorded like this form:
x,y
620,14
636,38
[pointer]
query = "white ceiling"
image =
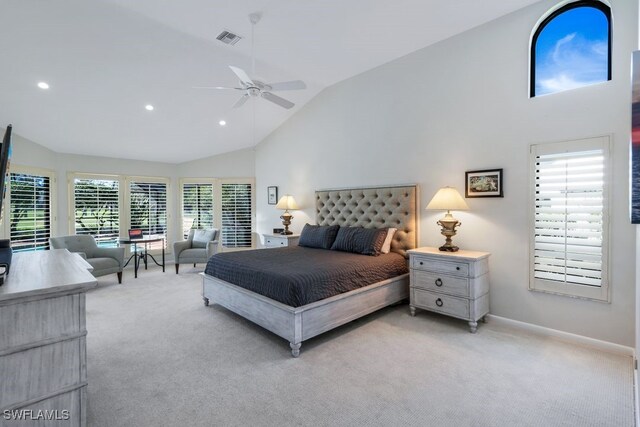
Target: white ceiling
x,y
105,60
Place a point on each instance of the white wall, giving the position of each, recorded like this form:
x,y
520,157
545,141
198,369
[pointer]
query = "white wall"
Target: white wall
x,y
236,164
459,105
28,153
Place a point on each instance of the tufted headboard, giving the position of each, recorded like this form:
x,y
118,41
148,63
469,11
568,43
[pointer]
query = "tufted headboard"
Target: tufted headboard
x,y
377,207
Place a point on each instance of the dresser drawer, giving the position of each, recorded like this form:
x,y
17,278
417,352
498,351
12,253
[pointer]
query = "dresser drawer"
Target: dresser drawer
x,y
452,285
429,264
453,306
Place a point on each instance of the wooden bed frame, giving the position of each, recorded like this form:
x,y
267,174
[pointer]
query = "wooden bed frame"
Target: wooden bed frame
x,y
363,207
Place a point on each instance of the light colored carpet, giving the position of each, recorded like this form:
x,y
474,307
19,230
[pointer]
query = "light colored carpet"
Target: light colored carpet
x,y
158,357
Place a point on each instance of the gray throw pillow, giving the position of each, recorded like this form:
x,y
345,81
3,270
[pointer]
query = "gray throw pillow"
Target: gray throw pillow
x,y
365,241
318,236
202,237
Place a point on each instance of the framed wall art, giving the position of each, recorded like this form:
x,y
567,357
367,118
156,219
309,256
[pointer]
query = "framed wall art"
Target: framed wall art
x,y
483,183
272,195
634,196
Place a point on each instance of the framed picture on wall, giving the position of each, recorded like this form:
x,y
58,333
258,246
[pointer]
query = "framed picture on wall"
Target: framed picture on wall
x,y
484,183
272,195
635,142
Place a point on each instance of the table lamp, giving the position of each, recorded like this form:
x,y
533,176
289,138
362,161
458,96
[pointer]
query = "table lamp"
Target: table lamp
x,y
448,199
285,203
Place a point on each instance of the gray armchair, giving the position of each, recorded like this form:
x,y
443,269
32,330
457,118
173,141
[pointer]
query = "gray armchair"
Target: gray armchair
x,y
198,248
103,260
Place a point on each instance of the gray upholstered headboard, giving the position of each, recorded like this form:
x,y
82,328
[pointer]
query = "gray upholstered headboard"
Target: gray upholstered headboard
x,y
377,207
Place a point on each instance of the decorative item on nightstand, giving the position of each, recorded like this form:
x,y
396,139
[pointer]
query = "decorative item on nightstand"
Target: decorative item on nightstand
x,y
286,202
448,199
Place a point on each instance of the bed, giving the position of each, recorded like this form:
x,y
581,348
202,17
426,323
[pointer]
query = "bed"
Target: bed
x,y
297,318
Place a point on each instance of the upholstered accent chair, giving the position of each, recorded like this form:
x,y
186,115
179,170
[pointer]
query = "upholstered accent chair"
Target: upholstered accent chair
x,y
103,260
198,248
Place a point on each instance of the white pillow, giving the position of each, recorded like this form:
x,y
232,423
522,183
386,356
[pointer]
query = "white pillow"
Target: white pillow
x,y
202,237
386,246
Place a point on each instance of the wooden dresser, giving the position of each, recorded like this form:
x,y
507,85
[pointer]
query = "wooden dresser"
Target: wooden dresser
x,y
43,354
280,240
451,283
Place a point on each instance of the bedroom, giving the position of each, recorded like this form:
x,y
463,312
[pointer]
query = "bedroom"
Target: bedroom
x,y
423,114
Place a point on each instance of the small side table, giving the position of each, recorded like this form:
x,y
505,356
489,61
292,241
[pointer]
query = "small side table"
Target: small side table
x,y
452,283
280,240
142,255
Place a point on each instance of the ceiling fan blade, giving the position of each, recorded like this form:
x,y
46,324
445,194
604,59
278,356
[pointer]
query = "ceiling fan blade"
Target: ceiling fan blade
x,y
277,100
240,102
216,87
244,78
292,85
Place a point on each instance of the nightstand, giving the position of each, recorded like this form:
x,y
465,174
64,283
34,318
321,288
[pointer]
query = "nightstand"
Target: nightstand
x,y
280,240
452,283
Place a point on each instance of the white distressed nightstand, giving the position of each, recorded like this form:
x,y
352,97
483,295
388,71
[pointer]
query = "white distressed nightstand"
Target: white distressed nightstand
x,y
280,240
452,283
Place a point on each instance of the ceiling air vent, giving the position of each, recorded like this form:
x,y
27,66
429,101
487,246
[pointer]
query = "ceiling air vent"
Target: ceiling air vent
x,y
227,37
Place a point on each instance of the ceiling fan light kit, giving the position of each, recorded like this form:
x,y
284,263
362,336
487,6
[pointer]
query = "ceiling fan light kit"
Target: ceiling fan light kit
x,y
255,88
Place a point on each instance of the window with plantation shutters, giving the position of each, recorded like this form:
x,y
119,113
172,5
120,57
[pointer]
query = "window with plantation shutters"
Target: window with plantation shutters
x,y
97,209
236,215
30,213
197,206
148,209
569,238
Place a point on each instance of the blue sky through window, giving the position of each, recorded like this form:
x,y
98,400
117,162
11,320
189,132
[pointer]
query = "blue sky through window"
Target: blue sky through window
x,y
572,51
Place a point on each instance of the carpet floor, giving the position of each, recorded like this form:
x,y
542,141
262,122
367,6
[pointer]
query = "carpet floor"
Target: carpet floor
x,y
158,357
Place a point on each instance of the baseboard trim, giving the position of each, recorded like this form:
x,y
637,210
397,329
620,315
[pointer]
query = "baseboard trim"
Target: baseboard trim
x,y
609,347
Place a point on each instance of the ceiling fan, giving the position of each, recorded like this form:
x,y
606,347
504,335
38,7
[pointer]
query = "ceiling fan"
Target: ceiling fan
x,y
254,88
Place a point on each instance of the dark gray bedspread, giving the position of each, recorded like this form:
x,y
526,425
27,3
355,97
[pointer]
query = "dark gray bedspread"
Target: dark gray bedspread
x,y
298,276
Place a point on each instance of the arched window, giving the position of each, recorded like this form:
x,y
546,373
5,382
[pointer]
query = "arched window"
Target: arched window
x,y
571,48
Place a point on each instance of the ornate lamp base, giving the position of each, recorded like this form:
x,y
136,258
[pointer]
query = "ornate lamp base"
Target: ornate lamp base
x,y
286,218
448,230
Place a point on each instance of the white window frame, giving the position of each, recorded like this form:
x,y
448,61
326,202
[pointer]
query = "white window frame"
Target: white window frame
x,y
127,207
72,176
53,205
601,293
209,181
124,207
217,203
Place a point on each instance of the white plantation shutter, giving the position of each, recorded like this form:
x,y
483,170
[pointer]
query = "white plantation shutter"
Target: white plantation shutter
x,y
570,217
236,215
30,216
148,209
197,206
97,209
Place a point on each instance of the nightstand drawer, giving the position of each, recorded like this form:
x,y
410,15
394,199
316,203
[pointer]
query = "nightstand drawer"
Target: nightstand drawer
x,y
275,241
430,264
452,285
454,306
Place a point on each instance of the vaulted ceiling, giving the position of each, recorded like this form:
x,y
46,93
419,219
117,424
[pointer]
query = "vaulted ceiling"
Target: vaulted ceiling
x,y
105,60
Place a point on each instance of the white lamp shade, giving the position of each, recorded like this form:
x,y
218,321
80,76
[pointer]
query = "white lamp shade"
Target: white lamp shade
x,y
447,199
287,202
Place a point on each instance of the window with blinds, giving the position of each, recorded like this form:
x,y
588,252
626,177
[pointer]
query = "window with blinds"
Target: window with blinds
x,y
148,209
236,215
197,206
570,217
30,220
96,209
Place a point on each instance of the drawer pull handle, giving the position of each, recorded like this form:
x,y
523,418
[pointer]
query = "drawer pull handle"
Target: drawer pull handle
x,y
458,268
420,262
439,302
438,282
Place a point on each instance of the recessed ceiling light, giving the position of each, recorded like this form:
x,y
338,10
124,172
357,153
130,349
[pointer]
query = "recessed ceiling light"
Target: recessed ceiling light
x,y
222,123
43,85
149,107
